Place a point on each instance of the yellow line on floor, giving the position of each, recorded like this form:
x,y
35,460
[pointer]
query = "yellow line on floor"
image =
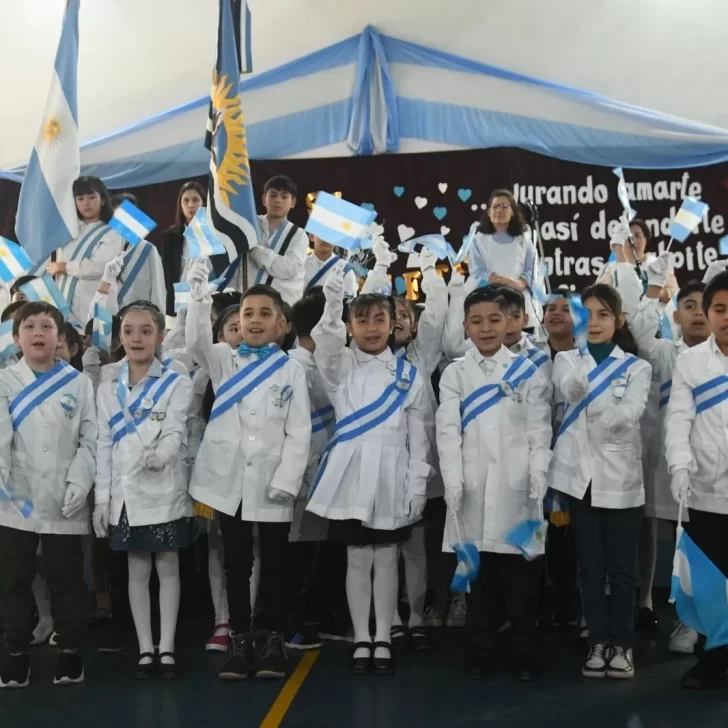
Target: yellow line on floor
x,y
290,690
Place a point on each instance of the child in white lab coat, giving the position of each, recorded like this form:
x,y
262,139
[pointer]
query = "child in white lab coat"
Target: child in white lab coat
x,y
697,455
320,264
597,462
493,402
142,476
373,476
251,462
47,455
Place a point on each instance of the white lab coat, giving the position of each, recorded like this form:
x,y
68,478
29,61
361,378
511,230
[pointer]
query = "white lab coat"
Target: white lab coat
x,y
196,422
286,270
88,271
308,526
174,345
255,445
698,441
312,265
587,452
54,446
497,455
371,478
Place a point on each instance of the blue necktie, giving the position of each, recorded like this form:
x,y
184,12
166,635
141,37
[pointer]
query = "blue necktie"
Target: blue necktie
x,y
263,352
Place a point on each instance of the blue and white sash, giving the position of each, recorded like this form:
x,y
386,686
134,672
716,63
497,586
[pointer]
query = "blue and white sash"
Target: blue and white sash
x,y
134,261
84,249
710,393
233,390
322,271
129,416
537,357
273,244
485,397
39,391
372,415
599,380
665,389
322,418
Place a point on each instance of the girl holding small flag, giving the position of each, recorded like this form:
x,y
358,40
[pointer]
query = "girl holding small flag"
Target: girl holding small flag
x,y
47,454
80,264
597,464
372,482
142,477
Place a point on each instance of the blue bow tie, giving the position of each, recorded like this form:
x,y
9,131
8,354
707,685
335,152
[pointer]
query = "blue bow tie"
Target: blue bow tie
x,y
263,352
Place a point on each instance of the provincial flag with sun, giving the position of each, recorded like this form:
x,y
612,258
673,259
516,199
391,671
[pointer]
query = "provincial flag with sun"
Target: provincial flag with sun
x,y
231,204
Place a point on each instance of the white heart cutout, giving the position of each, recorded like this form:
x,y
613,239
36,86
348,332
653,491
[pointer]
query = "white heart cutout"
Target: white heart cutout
x,y
444,230
442,186
420,202
405,233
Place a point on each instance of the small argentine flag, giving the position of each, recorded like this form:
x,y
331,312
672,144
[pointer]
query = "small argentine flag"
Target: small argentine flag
x,y
623,194
131,223
181,295
529,537
338,222
467,568
45,289
468,240
201,240
13,261
7,343
580,317
103,323
687,219
436,243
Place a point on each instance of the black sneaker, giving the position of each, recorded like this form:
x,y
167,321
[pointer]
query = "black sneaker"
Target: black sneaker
x,y
420,639
16,671
114,640
646,621
271,661
305,639
69,669
241,658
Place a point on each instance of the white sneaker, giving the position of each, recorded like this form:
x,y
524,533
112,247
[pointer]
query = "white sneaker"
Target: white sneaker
x,y
621,665
457,613
595,665
432,618
683,639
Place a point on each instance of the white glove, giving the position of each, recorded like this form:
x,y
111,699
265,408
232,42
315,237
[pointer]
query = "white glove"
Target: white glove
x,y
453,498
658,269
382,254
153,462
427,260
715,268
417,507
279,496
539,485
182,317
621,235
198,275
113,269
74,501
680,486
334,287
101,520
457,280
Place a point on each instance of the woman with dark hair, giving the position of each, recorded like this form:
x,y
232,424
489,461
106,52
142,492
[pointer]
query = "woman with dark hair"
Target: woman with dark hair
x,y
80,264
190,199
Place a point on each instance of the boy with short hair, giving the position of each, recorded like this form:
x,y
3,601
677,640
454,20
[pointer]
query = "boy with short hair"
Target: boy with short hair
x,y
320,264
278,259
492,401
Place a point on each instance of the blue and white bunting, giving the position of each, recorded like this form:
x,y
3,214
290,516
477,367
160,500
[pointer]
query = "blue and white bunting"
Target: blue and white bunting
x,y
8,347
13,261
131,223
45,289
102,328
200,238
338,222
181,295
580,318
687,219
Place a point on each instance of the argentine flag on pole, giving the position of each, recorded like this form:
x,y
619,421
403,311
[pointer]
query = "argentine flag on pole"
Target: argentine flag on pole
x,y
103,325
529,537
13,261
181,295
201,240
46,217
687,219
436,243
45,289
338,222
131,223
7,343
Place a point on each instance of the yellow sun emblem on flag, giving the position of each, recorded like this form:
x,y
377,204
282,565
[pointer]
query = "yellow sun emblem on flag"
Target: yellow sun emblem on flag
x,y
53,129
230,144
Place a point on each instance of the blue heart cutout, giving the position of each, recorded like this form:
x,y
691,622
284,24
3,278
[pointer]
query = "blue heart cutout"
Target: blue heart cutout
x,y
439,212
465,194
400,286
368,206
399,191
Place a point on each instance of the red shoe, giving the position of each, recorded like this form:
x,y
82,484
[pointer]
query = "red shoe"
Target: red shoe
x,y
220,640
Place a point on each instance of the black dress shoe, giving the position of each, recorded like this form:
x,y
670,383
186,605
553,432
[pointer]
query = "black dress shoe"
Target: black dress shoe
x,y
479,667
707,674
383,665
420,639
361,665
145,670
527,668
167,670
646,621
398,638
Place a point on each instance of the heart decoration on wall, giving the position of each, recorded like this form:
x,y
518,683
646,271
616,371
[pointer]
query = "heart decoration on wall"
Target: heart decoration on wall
x,y
420,202
405,232
439,212
444,230
368,206
399,191
465,194
400,286
442,186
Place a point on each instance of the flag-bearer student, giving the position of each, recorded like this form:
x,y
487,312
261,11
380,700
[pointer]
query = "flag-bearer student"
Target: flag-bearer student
x,y
320,264
492,402
251,461
697,456
597,463
373,475
141,478
278,259
80,263
47,462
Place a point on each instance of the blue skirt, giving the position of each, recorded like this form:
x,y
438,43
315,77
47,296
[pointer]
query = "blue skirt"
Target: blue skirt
x,y
168,536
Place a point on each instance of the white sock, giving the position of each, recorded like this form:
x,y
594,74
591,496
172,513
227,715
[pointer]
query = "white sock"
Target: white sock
x,y
169,588
385,593
216,570
415,574
359,592
647,558
140,569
